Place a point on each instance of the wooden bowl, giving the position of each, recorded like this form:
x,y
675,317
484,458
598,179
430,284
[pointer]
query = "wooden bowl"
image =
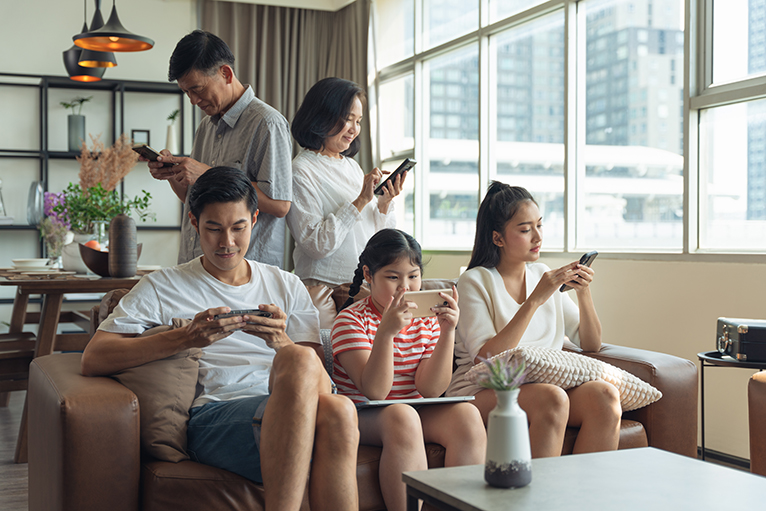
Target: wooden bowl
x,y
97,261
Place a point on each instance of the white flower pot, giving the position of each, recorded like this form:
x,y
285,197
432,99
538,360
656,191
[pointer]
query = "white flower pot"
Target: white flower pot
x,y
509,456
71,260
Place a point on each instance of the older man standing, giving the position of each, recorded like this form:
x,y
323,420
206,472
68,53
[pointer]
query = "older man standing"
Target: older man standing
x,y
240,131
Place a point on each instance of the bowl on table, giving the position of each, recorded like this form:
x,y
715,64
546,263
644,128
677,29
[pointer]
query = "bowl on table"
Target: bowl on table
x,y
31,264
98,261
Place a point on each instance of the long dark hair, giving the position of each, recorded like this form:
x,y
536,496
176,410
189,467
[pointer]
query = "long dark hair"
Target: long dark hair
x,y
498,207
384,248
324,111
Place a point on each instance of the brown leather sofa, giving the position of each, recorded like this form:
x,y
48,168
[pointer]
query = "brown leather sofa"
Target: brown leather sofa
x,y
756,407
84,451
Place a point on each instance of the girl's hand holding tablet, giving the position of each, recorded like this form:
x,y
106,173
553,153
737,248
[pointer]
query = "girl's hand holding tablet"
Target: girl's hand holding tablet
x,y
448,315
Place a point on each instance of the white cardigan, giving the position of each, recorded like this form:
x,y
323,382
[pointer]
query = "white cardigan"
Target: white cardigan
x,y
486,308
329,232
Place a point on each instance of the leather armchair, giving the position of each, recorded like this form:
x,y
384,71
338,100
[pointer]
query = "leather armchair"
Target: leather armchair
x,y
756,408
84,450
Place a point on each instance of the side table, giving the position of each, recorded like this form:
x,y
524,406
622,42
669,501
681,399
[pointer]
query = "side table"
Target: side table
x,y
716,359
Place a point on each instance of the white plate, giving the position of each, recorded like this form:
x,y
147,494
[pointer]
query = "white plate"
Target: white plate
x,y
49,272
26,263
26,269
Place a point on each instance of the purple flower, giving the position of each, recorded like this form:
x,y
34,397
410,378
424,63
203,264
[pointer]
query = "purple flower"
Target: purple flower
x,y
52,200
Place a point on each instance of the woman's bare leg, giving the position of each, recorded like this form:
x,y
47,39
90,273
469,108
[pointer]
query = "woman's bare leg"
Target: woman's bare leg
x,y
465,440
595,408
398,430
547,408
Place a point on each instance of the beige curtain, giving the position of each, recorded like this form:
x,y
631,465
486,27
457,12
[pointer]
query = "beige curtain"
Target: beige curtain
x,y
283,51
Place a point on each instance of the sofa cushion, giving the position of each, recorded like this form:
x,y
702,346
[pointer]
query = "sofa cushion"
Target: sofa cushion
x,y
567,370
165,390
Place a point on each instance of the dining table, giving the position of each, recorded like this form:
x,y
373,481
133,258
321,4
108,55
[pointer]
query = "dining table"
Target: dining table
x,y
52,286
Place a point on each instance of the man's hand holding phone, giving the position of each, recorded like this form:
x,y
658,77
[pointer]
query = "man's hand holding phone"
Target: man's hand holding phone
x,y
271,328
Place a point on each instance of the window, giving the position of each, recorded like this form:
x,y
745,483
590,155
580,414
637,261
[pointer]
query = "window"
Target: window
x,y
583,103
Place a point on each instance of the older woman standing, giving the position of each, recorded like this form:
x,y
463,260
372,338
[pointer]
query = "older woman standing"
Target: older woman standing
x,y
334,211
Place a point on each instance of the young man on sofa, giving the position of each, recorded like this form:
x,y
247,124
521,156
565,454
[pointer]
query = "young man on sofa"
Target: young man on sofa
x,y
266,410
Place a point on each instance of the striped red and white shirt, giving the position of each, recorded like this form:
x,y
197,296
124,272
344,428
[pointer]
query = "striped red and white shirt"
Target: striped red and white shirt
x,y
355,329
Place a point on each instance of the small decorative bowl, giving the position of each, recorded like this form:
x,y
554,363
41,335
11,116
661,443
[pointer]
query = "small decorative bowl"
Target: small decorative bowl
x,y
97,261
21,264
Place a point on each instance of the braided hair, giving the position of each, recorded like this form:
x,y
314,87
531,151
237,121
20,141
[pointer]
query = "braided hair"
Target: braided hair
x,y
498,207
384,248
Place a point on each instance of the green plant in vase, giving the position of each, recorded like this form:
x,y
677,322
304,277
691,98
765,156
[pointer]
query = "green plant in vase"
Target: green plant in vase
x,y
75,122
86,206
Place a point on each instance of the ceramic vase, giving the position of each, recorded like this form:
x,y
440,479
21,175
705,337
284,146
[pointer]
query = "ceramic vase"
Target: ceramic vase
x,y
509,456
171,142
123,250
76,132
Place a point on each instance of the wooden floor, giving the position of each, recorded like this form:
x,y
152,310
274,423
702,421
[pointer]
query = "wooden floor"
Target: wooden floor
x,y
13,477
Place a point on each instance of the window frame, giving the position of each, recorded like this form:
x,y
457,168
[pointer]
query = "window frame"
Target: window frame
x,y
698,94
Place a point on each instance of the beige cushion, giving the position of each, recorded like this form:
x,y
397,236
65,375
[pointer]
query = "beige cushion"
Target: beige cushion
x,y
321,297
165,390
567,370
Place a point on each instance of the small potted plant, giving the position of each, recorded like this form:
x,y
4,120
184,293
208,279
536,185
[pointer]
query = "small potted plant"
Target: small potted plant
x,y
171,143
509,455
76,122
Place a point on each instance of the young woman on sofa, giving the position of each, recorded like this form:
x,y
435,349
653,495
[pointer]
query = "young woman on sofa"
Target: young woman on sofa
x,y
509,299
382,352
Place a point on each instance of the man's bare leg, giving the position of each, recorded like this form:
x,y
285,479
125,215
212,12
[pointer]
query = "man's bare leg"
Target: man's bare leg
x,y
289,423
332,485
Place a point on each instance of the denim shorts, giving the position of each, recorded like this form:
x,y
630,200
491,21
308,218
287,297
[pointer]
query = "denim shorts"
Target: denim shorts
x,y
227,435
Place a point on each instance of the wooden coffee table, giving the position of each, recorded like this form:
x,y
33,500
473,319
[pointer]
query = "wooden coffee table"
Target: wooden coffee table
x,y
631,479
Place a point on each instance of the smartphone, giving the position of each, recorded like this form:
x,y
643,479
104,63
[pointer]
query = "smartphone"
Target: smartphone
x,y
406,165
585,260
425,300
149,153
244,312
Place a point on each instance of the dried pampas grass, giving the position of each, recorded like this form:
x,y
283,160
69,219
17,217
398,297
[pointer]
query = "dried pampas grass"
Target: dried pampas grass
x,y
106,165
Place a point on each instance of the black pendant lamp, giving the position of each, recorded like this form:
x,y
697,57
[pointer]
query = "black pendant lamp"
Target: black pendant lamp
x,y
91,58
77,72
112,37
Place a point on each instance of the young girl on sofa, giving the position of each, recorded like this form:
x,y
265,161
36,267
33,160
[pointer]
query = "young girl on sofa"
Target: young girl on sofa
x,y
510,300
381,352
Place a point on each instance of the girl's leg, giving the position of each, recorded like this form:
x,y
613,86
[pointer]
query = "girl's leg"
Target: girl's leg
x,y
595,408
397,429
465,440
547,408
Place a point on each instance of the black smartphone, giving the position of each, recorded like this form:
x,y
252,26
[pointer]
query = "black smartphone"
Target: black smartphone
x,y
585,260
406,165
244,312
149,153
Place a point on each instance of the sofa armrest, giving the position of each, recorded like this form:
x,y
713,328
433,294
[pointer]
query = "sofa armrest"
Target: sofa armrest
x,y
84,450
671,422
756,410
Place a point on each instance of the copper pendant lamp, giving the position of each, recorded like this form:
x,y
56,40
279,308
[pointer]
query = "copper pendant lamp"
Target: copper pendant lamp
x,y
112,37
77,72
91,58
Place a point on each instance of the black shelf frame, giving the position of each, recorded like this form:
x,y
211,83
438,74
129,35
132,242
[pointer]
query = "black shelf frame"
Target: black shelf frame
x,y
118,89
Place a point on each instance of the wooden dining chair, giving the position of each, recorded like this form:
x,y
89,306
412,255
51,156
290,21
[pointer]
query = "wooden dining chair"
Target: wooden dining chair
x,y
16,352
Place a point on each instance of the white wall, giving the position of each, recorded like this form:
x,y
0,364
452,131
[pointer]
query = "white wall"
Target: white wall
x,y
54,23
672,307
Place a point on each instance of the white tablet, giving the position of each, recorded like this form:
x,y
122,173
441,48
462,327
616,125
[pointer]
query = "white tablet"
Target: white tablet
x,y
414,402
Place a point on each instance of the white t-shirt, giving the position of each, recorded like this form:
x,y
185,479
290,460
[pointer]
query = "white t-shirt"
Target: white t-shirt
x,y
329,232
486,308
239,365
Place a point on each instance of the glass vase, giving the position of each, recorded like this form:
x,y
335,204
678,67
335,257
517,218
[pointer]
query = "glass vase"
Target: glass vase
x,y
101,232
509,455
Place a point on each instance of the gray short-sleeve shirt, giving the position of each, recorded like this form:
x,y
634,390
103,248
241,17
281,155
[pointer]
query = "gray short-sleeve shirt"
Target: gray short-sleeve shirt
x,y
255,138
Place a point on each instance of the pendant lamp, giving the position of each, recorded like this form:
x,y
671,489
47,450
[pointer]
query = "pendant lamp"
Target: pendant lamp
x,y
91,58
112,37
75,70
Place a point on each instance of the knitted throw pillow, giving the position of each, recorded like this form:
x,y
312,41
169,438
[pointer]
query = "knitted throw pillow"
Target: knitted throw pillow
x,y
567,370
